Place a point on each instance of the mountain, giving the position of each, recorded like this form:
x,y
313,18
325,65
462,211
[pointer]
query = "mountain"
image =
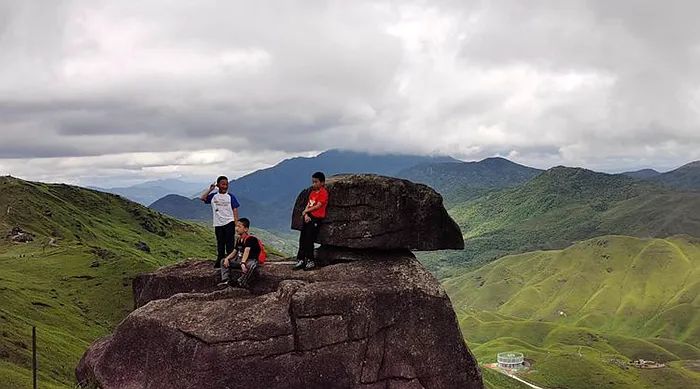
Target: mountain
x,y
73,279
685,177
643,174
283,182
581,313
195,210
147,192
267,196
561,206
183,208
459,181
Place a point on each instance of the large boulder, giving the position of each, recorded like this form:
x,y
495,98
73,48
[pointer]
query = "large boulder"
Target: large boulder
x,y
362,324
371,211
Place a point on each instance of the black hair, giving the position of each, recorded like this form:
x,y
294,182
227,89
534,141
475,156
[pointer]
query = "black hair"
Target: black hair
x,y
221,178
245,222
320,176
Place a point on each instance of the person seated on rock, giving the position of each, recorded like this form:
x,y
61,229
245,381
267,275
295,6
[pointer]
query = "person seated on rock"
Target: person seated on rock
x,y
245,258
313,215
224,207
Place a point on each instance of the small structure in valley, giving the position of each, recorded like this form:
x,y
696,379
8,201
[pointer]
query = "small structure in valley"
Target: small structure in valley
x,y
511,360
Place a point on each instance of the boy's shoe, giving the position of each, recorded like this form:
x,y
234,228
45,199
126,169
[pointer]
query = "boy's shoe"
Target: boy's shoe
x,y
299,265
310,265
222,284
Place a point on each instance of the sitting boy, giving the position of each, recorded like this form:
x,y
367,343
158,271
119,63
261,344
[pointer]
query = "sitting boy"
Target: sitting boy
x,y
244,258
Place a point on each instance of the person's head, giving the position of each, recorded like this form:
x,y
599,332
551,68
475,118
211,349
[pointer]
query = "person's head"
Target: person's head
x,y
242,226
222,184
318,179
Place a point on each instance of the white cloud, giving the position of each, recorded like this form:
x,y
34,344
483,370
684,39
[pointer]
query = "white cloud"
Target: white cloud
x,y
99,90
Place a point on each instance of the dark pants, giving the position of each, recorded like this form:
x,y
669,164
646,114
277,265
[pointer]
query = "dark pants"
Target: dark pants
x,y
235,273
225,237
308,236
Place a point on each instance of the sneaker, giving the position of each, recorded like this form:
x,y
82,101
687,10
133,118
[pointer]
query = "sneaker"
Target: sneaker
x,y
299,265
310,265
222,284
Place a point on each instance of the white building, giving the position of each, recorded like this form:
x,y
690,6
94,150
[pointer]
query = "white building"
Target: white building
x,y
511,360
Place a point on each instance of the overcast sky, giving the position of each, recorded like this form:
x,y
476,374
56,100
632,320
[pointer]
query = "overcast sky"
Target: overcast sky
x,y
111,92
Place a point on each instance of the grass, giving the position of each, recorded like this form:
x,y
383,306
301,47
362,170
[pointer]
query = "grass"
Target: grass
x,y
78,288
558,208
576,311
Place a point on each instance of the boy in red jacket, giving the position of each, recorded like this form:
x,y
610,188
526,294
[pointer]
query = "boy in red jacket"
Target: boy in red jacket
x,y
313,215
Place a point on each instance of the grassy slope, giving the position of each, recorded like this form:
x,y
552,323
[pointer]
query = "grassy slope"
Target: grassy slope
x,y
562,206
80,289
621,297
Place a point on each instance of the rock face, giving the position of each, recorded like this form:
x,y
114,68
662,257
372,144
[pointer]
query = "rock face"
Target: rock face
x,y
19,235
374,318
370,211
363,324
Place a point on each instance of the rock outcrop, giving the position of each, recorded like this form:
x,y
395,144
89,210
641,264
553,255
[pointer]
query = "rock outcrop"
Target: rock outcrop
x,y
370,211
373,318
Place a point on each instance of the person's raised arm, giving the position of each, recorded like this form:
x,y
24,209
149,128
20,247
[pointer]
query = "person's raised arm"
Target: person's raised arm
x,y
206,192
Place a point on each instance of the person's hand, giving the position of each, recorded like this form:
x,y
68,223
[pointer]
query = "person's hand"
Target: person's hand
x,y
226,262
244,268
307,218
212,186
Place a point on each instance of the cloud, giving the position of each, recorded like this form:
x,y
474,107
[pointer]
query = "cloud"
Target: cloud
x,y
98,90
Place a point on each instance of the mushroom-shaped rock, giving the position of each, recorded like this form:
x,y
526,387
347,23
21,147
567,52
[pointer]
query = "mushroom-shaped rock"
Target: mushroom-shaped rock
x,y
362,324
371,211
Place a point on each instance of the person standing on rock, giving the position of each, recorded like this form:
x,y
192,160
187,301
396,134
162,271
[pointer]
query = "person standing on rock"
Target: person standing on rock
x,y
224,207
313,215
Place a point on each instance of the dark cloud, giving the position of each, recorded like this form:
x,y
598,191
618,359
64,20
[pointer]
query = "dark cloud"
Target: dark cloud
x,y
112,89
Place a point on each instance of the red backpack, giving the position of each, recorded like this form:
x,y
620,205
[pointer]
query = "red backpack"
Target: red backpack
x,y
263,254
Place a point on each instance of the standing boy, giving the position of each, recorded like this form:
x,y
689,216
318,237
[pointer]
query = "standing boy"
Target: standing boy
x,y
225,213
313,215
245,258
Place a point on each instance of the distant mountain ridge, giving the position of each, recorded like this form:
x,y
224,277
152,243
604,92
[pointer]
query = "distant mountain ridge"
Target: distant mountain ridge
x,y
267,196
685,177
147,192
459,181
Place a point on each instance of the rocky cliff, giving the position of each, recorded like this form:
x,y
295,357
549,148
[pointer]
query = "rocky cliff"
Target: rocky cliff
x,y
372,318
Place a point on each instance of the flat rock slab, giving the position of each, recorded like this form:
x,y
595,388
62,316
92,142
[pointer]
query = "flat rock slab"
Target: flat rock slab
x,y
371,211
362,324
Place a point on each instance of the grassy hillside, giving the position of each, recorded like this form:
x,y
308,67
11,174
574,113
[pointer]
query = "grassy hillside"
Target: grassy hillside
x,y
73,281
562,206
581,313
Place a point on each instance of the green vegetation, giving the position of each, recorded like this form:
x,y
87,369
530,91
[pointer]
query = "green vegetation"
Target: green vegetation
x,y
580,314
461,181
562,206
73,281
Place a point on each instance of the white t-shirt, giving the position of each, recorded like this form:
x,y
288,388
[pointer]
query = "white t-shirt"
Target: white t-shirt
x,y
222,205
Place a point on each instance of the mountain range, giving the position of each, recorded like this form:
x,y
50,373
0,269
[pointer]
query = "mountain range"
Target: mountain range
x,y
582,271
147,192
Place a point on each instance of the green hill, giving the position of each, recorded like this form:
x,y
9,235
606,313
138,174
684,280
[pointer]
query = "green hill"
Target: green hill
x,y
460,181
73,281
685,177
580,314
562,206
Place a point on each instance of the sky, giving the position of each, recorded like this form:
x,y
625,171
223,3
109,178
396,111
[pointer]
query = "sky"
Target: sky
x,y
108,93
